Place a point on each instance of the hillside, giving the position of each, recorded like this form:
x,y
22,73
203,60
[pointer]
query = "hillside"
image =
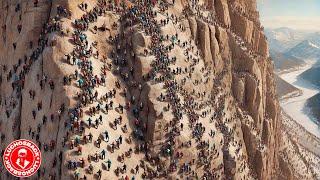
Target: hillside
x,y
313,106
141,89
312,75
284,62
300,151
284,89
307,49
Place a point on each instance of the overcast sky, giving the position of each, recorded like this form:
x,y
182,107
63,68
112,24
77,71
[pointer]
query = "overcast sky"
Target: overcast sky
x,y
296,14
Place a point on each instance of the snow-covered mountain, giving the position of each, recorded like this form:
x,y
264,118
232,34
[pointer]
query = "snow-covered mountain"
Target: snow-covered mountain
x,y
307,49
282,39
289,47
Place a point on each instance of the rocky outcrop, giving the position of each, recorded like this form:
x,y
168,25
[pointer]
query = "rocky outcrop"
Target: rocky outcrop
x,y
222,9
191,85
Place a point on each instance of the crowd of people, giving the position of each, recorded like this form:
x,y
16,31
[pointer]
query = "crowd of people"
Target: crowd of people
x,y
93,104
17,75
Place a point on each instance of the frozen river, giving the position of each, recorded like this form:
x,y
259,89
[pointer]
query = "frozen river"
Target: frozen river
x,y
295,106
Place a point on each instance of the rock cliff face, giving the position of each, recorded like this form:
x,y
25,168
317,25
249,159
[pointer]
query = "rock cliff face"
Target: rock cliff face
x,y
194,78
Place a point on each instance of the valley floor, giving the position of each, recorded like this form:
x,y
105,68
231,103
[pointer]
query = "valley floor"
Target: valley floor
x,y
294,106
300,134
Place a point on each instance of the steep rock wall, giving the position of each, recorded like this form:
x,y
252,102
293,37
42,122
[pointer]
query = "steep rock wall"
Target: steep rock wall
x,y
226,84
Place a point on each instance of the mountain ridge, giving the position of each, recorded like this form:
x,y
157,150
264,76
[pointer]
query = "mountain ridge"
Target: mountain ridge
x,y
283,39
307,49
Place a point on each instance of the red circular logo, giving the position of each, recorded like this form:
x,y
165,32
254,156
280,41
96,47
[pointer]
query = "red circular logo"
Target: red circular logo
x,y
22,158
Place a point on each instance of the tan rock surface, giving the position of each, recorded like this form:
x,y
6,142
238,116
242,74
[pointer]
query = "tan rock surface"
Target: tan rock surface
x,y
218,79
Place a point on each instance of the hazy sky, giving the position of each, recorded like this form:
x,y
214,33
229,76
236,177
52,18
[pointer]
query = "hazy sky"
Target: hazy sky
x,y
296,14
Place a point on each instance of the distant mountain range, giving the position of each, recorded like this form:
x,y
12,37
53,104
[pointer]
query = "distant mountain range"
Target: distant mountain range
x,y
290,49
282,39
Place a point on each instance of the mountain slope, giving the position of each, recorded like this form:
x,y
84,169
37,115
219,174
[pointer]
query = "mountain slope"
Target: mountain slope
x,y
284,62
312,105
152,89
306,50
312,75
284,89
301,154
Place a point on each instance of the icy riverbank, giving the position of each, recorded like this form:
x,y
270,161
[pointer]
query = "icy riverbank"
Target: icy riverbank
x,y
295,106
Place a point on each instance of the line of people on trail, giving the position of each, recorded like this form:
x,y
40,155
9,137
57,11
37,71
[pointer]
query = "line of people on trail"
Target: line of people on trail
x,y
80,58
16,76
162,63
80,120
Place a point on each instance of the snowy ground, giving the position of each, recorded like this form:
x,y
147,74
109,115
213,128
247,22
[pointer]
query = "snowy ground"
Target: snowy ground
x,y
295,106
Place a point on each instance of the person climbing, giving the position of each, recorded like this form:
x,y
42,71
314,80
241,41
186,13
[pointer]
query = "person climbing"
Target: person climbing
x,y
89,121
35,3
99,173
103,154
124,168
90,137
19,27
34,114
106,134
120,139
108,165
